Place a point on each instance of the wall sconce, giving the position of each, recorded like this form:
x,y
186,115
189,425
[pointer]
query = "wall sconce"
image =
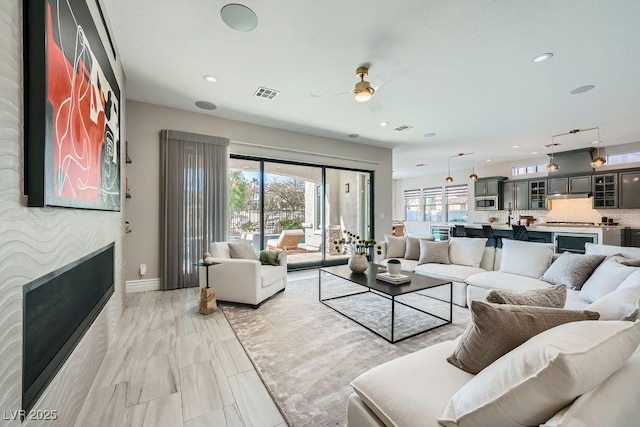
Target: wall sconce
x,y
346,188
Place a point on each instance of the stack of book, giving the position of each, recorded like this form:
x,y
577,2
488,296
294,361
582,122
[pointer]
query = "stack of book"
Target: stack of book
x,y
396,279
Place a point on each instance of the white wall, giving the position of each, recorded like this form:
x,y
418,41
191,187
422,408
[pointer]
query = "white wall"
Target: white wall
x,y
146,121
36,241
571,210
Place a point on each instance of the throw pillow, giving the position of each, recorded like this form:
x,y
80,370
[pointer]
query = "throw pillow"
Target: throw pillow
x,y
621,304
606,278
434,252
413,247
572,270
466,250
242,249
525,258
530,384
630,262
269,257
396,246
496,329
554,297
631,281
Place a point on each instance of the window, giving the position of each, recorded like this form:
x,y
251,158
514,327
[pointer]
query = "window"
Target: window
x,y
432,198
456,196
525,170
412,205
620,159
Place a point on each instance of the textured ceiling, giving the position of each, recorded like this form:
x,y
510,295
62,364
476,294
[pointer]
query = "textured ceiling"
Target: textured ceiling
x,y
471,77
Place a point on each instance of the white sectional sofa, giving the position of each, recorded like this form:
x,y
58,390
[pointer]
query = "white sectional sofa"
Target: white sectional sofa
x,y
420,388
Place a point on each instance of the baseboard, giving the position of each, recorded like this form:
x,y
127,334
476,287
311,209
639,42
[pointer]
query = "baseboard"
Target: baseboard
x,y
142,285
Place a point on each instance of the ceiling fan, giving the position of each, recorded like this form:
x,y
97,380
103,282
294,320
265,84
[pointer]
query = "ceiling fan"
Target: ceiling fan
x,y
364,89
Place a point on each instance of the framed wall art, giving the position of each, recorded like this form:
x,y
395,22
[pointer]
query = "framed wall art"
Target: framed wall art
x,y
72,109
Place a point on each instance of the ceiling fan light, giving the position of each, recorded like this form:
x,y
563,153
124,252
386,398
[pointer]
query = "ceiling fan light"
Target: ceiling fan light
x,y
449,179
363,96
598,161
552,167
473,177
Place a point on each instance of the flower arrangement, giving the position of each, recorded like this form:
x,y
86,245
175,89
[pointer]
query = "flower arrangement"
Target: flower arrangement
x,y
353,244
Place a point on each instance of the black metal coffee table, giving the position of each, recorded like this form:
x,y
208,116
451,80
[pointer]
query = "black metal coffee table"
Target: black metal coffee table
x,y
388,291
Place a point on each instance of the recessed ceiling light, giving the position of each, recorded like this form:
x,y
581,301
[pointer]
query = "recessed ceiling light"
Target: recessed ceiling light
x,y
353,135
210,79
582,89
534,152
384,124
489,160
429,135
239,17
516,146
205,105
543,57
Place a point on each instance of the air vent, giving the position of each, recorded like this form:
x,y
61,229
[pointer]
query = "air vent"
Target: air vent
x,y
403,127
263,92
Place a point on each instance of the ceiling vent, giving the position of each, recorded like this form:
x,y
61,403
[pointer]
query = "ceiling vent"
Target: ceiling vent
x,y
403,127
263,92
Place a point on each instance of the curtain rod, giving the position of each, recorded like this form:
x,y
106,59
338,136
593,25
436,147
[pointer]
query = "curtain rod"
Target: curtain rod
x,y
290,150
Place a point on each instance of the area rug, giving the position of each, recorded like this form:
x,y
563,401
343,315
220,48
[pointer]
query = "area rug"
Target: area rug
x,y
307,354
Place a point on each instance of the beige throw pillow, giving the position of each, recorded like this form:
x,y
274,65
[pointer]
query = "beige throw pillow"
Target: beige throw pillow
x,y
242,249
572,270
553,296
466,250
530,384
396,246
496,329
525,258
605,279
630,262
412,250
434,252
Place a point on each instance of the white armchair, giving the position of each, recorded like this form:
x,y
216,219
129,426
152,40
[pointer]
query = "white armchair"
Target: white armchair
x,y
243,281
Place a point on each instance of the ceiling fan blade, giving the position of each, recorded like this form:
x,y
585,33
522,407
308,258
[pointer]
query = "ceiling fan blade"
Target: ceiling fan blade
x,y
393,72
374,106
324,95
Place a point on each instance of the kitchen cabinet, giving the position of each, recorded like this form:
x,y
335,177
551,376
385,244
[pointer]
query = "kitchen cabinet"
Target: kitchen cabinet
x,y
515,194
558,185
629,190
605,191
570,185
632,237
580,184
538,194
488,187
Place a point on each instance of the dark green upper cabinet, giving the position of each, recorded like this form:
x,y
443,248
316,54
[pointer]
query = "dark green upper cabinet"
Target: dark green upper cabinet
x,y
487,187
605,191
515,195
580,184
557,185
629,190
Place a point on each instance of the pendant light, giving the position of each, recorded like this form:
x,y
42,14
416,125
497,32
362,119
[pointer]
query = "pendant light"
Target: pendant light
x,y
449,178
598,161
552,166
473,176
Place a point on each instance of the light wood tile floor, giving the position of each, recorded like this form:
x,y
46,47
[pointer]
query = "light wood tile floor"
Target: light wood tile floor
x,y
170,366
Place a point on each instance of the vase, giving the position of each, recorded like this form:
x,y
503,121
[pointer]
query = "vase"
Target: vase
x,y
394,267
358,263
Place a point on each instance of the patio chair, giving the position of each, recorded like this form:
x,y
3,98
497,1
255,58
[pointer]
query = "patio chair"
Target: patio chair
x,y
288,240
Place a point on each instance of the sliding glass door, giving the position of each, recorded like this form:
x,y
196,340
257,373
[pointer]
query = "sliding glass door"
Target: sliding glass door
x,y
298,208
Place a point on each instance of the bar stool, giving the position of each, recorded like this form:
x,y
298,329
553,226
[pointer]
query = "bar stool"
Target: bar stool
x,y
487,231
459,231
520,233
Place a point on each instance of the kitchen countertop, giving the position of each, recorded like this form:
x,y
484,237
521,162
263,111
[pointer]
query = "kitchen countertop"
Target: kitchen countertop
x,y
542,227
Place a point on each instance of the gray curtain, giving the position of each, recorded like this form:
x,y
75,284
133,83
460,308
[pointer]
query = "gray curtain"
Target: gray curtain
x,y
193,202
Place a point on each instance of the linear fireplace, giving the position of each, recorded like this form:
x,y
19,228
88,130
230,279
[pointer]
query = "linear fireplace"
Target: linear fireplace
x,y
58,308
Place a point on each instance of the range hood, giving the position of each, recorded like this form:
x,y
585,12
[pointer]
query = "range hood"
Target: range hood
x,y
570,163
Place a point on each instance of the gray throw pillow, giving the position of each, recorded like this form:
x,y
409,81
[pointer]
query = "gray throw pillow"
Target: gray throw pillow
x,y
630,262
242,249
434,252
553,296
396,246
413,247
572,270
496,329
